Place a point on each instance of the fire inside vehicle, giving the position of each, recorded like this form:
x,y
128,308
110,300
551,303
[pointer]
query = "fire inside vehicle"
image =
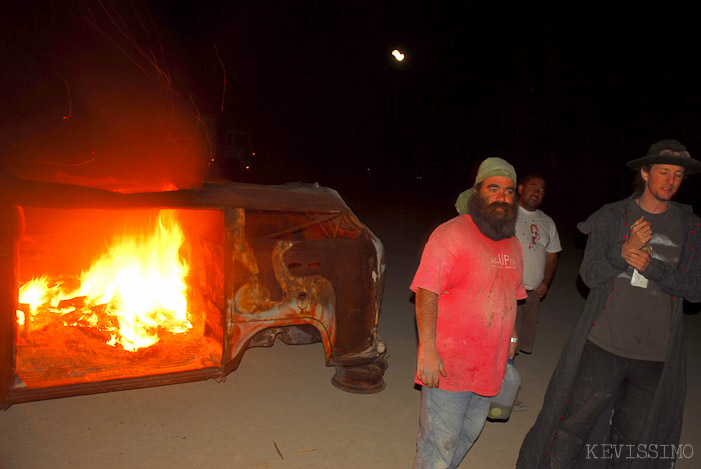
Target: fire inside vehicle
x,y
102,291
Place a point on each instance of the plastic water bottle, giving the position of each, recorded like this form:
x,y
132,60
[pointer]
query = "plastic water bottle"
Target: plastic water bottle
x,y
501,404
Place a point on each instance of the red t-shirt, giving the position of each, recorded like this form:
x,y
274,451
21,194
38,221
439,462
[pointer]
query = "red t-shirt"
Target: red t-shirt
x,y
478,281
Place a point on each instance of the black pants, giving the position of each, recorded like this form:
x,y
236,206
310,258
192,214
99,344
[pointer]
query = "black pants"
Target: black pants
x,y
603,379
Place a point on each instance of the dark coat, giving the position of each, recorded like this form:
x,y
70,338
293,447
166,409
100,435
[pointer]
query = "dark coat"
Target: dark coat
x,y
607,229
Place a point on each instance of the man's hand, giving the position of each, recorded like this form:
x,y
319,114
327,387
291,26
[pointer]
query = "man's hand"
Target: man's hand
x,y
429,366
636,258
541,290
639,234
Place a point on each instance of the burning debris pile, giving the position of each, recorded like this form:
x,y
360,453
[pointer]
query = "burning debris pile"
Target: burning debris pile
x,y
134,290
118,305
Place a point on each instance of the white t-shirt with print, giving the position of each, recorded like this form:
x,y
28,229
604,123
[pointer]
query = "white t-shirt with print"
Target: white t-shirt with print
x,y
538,236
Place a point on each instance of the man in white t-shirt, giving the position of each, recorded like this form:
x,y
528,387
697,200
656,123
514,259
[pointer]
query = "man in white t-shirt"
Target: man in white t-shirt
x,y
541,245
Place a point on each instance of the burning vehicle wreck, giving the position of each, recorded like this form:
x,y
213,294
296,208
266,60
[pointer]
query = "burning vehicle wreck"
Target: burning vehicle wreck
x,y
104,291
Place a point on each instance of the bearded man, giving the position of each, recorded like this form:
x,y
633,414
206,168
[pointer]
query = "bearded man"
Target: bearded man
x,y
467,286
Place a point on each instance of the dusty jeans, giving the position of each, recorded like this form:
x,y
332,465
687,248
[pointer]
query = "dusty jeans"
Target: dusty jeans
x,y
449,424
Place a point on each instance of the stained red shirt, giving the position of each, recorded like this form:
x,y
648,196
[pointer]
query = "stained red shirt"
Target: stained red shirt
x,y
478,281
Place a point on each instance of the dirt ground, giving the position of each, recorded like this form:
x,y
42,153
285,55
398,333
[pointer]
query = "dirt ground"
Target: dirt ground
x,y
279,409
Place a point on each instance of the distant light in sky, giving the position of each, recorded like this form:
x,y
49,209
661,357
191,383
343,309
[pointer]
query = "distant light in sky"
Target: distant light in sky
x,y
398,55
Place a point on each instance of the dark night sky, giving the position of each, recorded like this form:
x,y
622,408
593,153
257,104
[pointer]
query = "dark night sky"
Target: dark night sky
x,y
571,92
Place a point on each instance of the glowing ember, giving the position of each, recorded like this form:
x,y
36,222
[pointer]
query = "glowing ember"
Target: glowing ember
x,y
136,289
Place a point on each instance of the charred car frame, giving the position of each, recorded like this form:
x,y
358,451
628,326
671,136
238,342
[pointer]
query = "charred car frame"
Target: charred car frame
x,y
290,262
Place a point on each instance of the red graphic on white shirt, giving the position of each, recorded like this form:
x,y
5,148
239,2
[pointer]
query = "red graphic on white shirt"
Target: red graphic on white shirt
x,y
535,236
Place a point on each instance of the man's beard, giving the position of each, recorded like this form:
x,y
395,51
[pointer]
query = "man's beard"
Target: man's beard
x,y
493,223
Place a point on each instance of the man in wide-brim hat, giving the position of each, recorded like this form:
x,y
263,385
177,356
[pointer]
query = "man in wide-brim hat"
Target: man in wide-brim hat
x,y
619,388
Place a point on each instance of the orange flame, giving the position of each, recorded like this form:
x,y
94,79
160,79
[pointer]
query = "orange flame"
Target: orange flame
x,y
133,290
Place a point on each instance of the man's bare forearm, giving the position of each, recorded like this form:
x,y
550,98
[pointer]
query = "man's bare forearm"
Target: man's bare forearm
x,y
426,316
429,365
551,259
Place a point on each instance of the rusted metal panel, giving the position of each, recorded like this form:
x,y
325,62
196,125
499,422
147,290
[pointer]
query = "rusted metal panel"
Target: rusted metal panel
x,y
8,295
18,395
288,197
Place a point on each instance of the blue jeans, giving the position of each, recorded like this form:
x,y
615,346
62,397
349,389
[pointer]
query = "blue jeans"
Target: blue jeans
x,y
449,424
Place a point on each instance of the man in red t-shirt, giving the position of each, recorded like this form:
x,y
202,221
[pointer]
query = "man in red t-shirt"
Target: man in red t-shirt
x,y
467,285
